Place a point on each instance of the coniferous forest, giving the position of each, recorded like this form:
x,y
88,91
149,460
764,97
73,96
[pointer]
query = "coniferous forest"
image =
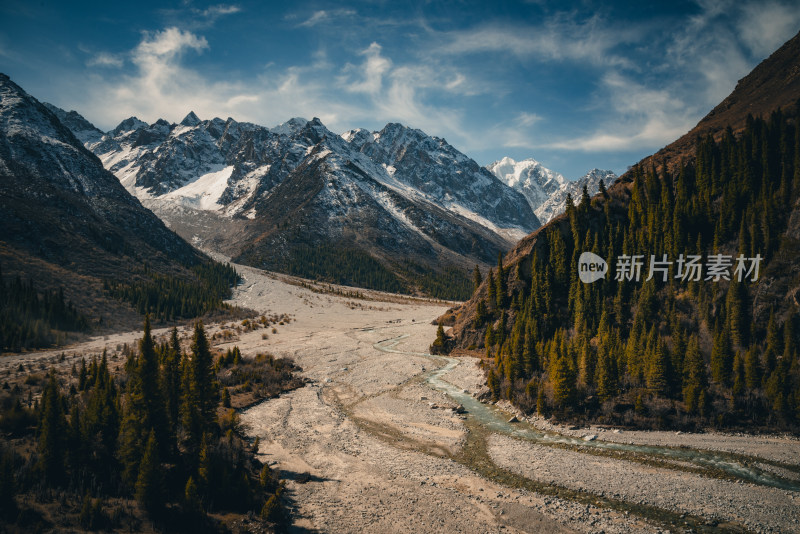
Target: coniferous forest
x,y
718,350
169,298
30,318
157,443
353,267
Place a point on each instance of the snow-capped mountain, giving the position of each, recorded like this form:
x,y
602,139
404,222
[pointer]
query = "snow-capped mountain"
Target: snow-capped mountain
x,y
546,190
557,203
398,195
225,166
85,131
443,174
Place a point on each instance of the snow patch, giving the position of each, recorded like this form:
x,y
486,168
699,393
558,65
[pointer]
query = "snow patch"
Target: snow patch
x,y
203,193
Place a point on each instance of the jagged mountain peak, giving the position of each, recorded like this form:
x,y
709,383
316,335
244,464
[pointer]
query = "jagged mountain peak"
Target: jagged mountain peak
x,y
85,131
546,190
290,127
523,172
357,137
398,180
191,119
128,125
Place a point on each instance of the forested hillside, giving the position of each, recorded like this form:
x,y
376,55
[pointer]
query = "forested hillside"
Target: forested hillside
x,y
159,442
667,345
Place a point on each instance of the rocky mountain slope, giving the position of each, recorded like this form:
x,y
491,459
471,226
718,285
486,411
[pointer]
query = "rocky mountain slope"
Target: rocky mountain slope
x,y
65,220
546,190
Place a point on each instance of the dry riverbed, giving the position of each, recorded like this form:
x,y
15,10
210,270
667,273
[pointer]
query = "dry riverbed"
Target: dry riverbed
x,y
369,446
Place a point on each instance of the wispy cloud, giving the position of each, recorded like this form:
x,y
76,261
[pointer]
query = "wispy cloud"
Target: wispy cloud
x,y
193,18
370,73
561,38
104,59
641,117
767,25
323,16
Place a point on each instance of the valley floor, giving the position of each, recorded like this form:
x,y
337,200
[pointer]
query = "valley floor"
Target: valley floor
x,y
370,445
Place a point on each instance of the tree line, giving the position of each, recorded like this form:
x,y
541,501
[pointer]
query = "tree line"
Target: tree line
x,y
683,352
31,318
168,298
353,267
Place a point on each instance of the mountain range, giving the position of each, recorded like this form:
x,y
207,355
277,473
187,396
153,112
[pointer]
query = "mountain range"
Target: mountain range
x,y
409,206
547,190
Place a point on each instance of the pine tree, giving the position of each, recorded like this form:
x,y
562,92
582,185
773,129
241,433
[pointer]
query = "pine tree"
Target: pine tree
x,y
722,358
607,380
500,289
52,433
752,368
149,380
695,389
439,345
476,278
491,289
149,489
738,323
171,385
143,410
204,378
563,378
658,374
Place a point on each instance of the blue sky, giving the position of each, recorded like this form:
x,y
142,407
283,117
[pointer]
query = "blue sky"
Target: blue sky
x,y
575,85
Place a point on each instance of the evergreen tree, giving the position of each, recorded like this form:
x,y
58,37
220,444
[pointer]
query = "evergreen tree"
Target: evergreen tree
x,y
721,358
149,482
752,368
501,289
171,385
52,433
563,377
491,289
200,394
439,345
658,375
143,410
476,278
695,389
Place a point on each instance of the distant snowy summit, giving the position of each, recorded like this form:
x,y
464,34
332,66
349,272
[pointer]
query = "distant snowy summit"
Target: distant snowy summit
x,y
546,190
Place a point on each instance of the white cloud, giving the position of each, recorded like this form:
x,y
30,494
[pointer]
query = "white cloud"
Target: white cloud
x,y
321,16
104,59
371,72
165,45
561,38
217,11
642,118
162,86
526,119
767,25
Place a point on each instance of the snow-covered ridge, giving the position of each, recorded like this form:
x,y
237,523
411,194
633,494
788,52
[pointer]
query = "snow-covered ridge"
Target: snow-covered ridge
x,y
546,190
176,161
